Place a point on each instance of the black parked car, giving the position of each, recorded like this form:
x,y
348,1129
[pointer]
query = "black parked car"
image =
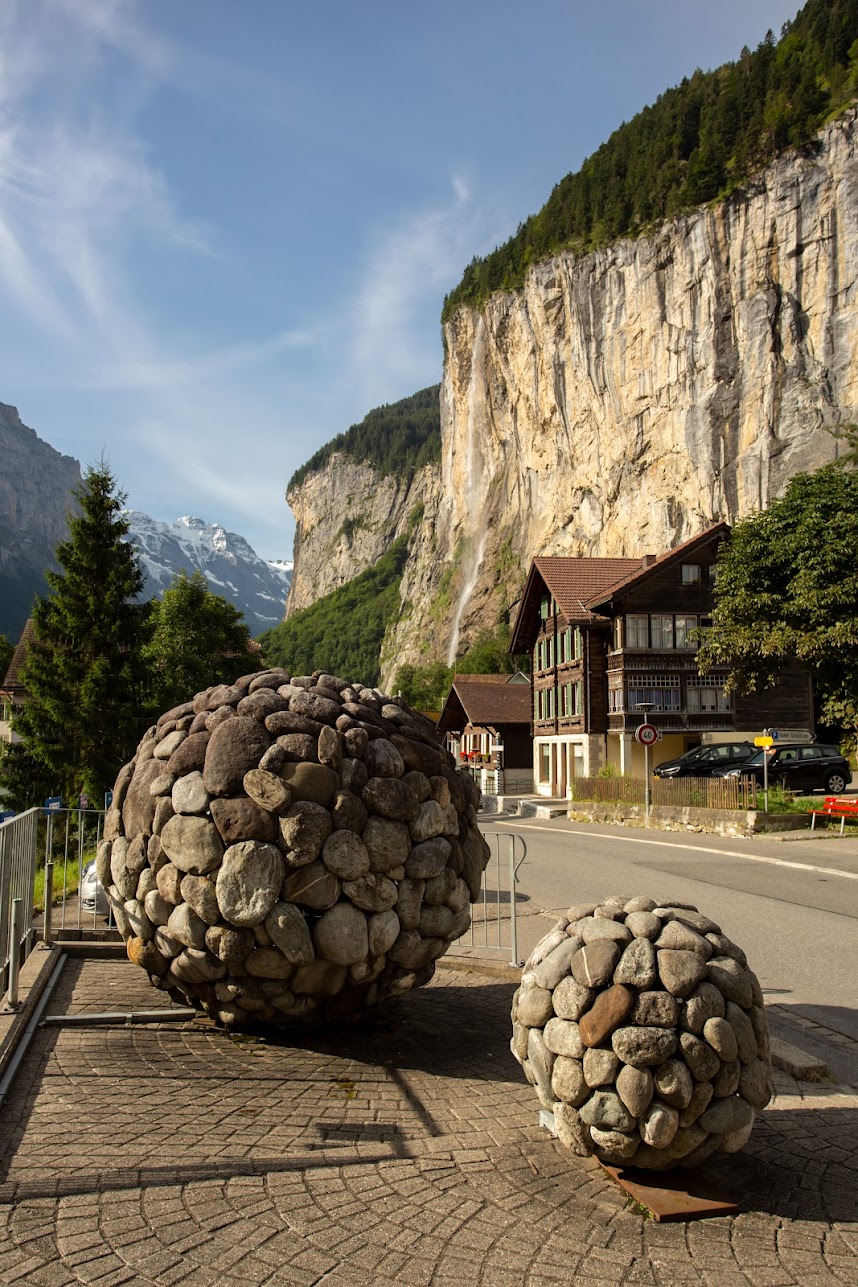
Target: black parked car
x,y
704,761
798,767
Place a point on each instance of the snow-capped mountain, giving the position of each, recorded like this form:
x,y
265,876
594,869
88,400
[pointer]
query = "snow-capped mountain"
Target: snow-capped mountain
x,y
232,568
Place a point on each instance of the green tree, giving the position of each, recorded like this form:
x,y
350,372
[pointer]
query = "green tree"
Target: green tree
x,y
198,639
424,687
84,673
343,632
787,590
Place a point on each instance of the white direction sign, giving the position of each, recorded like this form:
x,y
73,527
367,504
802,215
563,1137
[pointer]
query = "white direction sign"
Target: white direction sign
x,y
791,735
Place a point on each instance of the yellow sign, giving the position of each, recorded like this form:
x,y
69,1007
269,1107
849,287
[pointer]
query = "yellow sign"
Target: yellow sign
x,y
764,741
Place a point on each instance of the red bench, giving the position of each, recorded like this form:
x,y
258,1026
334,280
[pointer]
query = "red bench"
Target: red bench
x,y
836,807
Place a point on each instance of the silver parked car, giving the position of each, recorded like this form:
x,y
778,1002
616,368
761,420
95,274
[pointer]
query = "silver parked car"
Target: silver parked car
x,y
93,899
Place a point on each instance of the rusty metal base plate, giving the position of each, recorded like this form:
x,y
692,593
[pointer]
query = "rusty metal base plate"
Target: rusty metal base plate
x,y
673,1195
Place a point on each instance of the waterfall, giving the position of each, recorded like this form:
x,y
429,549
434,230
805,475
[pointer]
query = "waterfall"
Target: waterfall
x,y
476,487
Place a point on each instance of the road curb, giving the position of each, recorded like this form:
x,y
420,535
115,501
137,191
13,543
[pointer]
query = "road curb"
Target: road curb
x,y
32,980
482,965
797,1063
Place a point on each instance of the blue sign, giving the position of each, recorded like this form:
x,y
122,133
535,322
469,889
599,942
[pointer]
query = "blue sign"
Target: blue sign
x,y
53,803
6,814
108,799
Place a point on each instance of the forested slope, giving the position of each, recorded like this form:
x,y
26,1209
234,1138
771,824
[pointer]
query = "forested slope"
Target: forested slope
x,y
699,141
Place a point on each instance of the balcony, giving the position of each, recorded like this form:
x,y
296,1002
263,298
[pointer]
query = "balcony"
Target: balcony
x,y
673,721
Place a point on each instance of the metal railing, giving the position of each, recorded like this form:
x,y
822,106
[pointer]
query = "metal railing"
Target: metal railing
x,y
494,925
62,842
701,793
18,851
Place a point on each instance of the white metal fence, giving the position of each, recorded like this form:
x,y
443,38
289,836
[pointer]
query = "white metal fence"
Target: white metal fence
x,y
58,843
494,925
18,849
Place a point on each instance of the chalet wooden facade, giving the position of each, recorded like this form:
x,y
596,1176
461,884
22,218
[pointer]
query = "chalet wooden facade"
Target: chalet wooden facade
x,y
609,636
486,722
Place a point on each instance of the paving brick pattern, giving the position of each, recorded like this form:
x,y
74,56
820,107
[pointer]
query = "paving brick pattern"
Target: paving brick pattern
x,y
405,1153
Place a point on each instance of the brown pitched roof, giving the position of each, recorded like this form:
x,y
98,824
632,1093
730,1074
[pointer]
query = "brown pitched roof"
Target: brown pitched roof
x,y
487,700
606,592
12,682
582,586
575,582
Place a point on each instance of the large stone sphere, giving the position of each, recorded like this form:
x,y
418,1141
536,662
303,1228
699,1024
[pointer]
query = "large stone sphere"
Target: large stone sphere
x,y
643,1031
288,849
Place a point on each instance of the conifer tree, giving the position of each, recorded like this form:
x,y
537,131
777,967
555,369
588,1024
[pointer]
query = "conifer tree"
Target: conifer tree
x,y
84,674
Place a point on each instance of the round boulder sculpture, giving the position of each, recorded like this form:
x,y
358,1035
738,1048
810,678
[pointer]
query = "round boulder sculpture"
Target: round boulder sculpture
x,y
290,849
643,1031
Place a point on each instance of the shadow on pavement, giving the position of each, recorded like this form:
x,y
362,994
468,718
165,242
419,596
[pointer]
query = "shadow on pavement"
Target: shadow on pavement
x,y
800,1164
448,1031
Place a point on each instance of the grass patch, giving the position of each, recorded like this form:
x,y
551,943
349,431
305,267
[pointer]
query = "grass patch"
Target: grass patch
x,y
71,870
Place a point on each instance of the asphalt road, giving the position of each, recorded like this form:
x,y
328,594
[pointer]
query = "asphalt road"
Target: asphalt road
x,y
793,907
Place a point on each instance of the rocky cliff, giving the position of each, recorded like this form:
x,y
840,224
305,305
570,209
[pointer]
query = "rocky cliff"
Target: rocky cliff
x,y
35,493
618,404
347,514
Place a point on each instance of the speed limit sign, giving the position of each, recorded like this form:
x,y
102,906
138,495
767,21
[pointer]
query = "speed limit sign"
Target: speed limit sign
x,y
646,734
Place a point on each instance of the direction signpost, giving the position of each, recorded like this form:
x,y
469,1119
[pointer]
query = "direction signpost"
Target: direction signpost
x,y
766,742
647,735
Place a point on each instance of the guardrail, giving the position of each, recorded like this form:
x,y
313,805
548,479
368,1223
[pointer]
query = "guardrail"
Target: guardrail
x,y
18,851
494,925
60,841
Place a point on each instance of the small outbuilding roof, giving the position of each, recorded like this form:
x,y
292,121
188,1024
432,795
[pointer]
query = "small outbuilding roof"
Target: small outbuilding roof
x,y
486,701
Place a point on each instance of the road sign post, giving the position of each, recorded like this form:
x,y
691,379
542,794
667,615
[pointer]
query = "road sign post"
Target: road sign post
x,y
646,734
766,741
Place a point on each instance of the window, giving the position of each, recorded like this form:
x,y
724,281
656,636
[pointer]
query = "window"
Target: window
x,y
661,691
570,699
685,627
712,573
662,631
544,763
562,646
616,694
692,574
578,643
811,752
545,653
544,607
544,704
707,696
618,633
637,631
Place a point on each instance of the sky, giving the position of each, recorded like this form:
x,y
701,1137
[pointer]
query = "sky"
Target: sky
x,y
227,228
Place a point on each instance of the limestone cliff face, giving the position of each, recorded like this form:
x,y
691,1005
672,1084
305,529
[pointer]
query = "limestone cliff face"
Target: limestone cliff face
x,y
624,400
347,515
35,494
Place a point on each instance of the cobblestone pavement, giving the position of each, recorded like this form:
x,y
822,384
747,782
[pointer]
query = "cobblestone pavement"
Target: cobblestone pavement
x,y
406,1153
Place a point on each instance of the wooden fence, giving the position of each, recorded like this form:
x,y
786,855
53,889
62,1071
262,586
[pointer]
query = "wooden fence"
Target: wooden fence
x,y
700,793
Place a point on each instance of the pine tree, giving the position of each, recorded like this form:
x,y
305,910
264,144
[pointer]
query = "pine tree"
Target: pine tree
x,y
84,675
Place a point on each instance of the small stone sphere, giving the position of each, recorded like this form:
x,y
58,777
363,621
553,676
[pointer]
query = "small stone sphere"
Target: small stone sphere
x,y
291,849
642,1029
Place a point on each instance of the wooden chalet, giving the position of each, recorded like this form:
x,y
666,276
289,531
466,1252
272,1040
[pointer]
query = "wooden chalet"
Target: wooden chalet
x,y
609,635
486,722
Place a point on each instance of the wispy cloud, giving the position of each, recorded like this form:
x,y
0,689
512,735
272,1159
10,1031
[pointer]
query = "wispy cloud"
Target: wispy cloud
x,y
406,267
